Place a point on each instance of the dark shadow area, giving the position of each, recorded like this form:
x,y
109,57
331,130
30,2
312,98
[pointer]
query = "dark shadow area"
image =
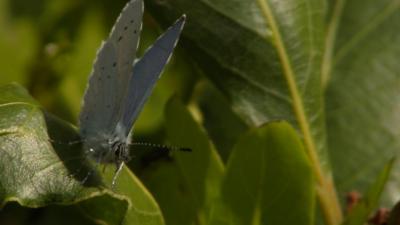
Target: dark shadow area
x,y
68,146
14,214
143,154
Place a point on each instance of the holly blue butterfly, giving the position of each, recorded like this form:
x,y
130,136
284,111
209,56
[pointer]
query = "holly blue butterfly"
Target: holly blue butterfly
x,y
118,87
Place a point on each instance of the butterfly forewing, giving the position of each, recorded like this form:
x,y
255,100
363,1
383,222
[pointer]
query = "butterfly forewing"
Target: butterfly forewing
x,y
146,72
112,69
125,37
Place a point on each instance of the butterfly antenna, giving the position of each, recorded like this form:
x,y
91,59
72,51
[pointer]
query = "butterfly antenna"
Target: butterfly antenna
x,y
160,146
65,143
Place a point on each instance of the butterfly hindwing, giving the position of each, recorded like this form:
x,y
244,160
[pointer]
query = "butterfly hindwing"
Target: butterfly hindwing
x,y
146,72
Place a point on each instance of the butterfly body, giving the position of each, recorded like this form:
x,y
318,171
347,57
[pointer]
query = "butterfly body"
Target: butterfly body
x,y
119,86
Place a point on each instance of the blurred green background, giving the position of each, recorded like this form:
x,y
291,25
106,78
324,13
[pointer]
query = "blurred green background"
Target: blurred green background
x,y
48,46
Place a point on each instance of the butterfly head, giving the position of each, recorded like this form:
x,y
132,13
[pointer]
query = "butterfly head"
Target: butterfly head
x,y
107,150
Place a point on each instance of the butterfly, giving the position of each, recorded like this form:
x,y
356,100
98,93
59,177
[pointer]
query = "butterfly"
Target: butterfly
x,y
119,86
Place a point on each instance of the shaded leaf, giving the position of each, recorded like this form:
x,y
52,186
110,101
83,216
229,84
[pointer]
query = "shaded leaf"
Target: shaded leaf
x,y
237,52
201,169
222,124
15,214
165,181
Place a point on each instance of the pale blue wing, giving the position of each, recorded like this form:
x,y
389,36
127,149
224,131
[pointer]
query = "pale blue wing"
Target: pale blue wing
x,y
102,104
146,72
98,104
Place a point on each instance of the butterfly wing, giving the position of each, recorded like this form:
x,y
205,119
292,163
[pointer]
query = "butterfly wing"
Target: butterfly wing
x,y
125,37
145,74
98,104
112,69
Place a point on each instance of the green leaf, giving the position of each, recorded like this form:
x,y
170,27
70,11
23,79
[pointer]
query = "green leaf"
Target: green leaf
x,y
362,101
269,180
362,211
35,173
201,170
266,57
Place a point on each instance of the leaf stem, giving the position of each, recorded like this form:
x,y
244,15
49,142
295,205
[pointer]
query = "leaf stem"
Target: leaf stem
x,y
325,188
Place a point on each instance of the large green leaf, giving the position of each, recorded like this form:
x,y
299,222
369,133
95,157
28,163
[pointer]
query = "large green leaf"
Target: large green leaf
x,y
36,172
268,180
363,92
266,57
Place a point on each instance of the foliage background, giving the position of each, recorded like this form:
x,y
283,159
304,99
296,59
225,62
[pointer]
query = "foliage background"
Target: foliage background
x,y
49,46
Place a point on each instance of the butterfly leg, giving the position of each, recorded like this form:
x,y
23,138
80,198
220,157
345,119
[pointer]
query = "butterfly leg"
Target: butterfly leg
x,y
119,166
73,142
